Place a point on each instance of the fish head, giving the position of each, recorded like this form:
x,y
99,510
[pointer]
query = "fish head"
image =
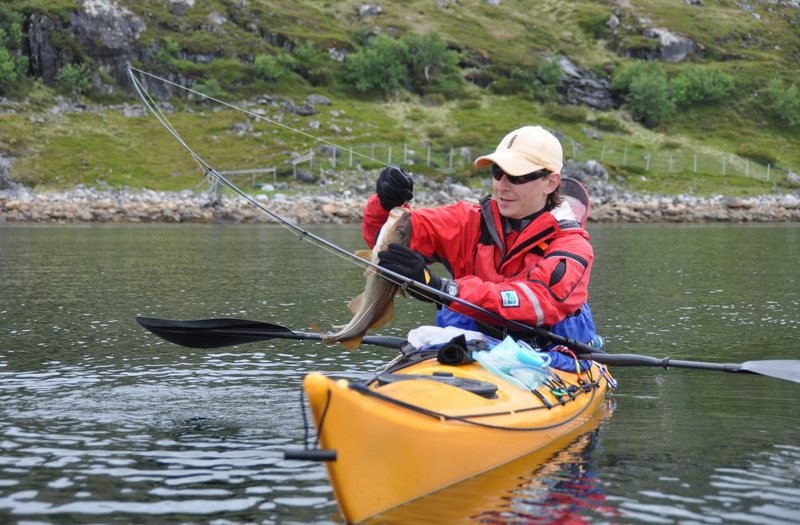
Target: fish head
x,y
396,229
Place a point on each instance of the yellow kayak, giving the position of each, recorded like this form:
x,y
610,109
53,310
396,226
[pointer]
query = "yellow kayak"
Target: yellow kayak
x,y
421,426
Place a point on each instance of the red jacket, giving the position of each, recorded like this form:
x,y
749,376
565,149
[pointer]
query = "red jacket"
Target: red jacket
x,y
539,278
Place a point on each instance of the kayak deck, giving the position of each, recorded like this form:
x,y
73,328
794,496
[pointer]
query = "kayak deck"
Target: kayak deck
x,y
422,426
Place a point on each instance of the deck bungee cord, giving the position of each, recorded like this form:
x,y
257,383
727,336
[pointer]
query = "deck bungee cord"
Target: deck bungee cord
x,y
402,281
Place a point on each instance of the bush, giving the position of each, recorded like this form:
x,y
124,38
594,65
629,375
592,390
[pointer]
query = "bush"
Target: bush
x,y
72,79
428,60
565,113
378,66
8,69
646,90
785,102
210,88
757,155
166,53
700,84
420,63
550,72
312,64
267,67
608,123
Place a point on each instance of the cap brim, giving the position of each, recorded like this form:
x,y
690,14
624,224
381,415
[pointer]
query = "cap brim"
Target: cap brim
x,y
509,161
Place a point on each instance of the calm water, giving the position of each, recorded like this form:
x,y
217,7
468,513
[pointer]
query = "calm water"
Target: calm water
x,y
101,422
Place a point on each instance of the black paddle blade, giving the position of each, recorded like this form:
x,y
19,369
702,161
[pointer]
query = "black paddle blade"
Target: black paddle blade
x,y
786,369
216,333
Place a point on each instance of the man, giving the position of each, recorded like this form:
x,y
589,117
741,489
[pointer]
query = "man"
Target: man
x,y
521,253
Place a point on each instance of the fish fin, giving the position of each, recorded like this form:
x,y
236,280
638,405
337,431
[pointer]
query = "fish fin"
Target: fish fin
x,y
353,342
365,254
386,316
355,304
401,292
315,328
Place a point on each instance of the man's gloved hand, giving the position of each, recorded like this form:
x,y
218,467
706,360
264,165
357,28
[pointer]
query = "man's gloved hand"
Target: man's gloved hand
x,y
395,187
405,261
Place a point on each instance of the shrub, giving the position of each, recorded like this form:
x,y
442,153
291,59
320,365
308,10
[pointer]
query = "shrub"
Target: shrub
x,y
755,154
166,53
419,63
647,92
700,84
72,79
312,64
565,113
593,22
428,60
785,102
267,67
210,88
550,72
608,123
8,69
378,66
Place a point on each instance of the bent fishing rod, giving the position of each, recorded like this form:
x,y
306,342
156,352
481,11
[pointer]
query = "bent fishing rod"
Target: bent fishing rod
x,y
401,280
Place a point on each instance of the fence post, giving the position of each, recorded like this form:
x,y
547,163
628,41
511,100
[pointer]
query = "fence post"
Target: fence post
x,y
350,163
372,151
669,169
625,157
405,153
647,161
389,159
428,159
746,167
603,153
723,166
769,166
333,158
574,157
450,165
694,164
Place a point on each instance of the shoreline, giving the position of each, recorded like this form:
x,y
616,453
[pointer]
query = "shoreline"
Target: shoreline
x,y
92,205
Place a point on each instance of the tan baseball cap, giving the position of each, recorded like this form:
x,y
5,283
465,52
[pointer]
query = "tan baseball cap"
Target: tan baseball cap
x,y
525,150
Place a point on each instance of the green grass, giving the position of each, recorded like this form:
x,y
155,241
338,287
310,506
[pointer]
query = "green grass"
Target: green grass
x,y
54,151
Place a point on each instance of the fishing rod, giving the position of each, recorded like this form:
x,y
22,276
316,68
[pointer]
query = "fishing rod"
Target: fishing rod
x,y
399,279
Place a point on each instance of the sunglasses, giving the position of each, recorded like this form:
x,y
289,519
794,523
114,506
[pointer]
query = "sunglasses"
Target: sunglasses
x,y
497,173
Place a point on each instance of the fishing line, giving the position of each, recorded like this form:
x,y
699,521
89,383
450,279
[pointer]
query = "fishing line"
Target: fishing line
x,y
396,278
256,116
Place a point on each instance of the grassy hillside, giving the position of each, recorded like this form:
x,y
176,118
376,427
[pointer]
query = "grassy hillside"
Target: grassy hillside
x,y
498,49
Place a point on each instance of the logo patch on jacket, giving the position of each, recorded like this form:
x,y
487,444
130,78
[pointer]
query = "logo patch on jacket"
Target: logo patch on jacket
x,y
510,299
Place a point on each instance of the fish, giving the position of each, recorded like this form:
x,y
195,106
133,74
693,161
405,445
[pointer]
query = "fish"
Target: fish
x,y
374,307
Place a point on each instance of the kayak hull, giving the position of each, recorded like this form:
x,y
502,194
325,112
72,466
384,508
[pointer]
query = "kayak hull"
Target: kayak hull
x,y
402,440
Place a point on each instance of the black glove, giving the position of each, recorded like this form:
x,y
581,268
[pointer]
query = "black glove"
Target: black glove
x,y
406,261
395,187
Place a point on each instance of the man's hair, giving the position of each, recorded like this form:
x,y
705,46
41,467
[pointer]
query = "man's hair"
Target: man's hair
x,y
554,199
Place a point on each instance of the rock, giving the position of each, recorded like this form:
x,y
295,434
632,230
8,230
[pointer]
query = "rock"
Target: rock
x,y
792,177
460,192
317,100
368,10
732,203
581,87
180,7
674,48
592,134
790,202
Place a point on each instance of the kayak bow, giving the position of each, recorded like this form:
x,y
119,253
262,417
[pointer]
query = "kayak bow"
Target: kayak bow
x,y
420,427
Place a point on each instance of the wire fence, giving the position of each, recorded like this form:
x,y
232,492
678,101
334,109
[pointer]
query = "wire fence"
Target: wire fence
x,y
459,159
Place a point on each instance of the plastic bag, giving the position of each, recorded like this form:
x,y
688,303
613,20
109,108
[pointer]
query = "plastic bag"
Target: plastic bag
x,y
516,362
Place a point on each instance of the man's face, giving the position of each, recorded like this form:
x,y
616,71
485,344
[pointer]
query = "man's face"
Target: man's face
x,y
516,201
